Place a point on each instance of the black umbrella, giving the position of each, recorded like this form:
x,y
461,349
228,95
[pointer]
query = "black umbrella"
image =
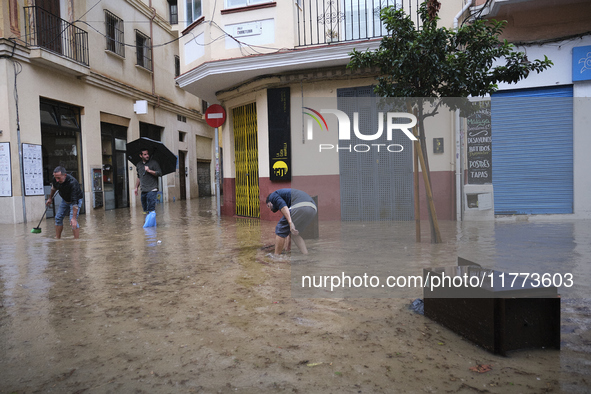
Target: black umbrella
x,y
158,151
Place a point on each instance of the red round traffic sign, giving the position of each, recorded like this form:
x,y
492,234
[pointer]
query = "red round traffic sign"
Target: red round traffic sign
x,y
215,116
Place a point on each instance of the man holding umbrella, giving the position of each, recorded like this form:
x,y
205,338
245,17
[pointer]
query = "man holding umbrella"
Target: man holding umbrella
x,y
148,171
152,159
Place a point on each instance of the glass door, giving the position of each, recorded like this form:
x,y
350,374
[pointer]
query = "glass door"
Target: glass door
x,y
120,176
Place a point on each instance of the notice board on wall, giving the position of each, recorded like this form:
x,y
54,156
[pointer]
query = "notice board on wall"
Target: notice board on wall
x,y
33,170
5,171
479,146
278,104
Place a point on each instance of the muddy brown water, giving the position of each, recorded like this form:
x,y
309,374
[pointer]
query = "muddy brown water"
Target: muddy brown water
x,y
197,305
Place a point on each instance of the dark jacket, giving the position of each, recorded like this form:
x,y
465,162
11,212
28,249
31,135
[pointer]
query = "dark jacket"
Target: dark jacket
x,y
69,190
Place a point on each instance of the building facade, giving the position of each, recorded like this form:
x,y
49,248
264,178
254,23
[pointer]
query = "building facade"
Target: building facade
x,y
257,57
540,125
265,62
79,80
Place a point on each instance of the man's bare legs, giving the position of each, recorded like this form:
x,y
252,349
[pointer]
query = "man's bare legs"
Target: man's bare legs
x,y
60,229
297,239
279,244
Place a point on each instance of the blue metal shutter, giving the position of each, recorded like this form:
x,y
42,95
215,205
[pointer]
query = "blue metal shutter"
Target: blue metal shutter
x,y
532,150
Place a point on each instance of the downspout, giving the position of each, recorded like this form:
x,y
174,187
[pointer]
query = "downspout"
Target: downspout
x,y
459,14
152,48
459,182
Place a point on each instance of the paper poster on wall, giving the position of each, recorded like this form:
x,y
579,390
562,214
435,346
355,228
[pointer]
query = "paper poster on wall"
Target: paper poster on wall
x,y
5,172
33,170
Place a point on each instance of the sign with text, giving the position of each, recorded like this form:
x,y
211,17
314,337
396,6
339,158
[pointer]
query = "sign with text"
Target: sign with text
x,y
479,146
5,171
279,134
33,170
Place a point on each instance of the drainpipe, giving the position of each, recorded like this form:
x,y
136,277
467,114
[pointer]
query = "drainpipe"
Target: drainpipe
x,y
459,179
459,183
152,47
459,14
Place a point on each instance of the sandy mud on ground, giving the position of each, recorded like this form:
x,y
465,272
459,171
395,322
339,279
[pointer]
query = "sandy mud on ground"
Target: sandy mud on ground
x,y
207,311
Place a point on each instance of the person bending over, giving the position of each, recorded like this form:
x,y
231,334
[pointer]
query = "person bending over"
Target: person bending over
x,y
72,198
298,210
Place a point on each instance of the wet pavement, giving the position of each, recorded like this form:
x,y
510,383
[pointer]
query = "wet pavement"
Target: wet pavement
x,y
103,313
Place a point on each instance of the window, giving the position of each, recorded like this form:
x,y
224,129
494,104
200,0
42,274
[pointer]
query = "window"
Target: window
x,y
177,66
182,136
144,50
243,3
114,28
174,12
193,10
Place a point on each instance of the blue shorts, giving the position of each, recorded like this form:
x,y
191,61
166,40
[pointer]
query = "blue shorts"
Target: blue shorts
x,y
301,218
64,208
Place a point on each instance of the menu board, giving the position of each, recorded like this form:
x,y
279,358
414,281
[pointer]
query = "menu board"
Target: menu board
x,y
5,172
33,170
479,146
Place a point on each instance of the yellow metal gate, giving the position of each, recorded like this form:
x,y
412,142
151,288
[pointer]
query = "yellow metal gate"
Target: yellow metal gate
x,y
247,161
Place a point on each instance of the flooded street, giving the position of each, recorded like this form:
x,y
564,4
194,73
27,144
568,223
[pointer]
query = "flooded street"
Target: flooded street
x,y
196,304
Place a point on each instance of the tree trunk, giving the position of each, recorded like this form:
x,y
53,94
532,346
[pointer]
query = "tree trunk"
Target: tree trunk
x,y
434,225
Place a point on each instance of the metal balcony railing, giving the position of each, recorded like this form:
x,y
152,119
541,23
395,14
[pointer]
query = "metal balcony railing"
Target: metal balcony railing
x,y
48,31
330,21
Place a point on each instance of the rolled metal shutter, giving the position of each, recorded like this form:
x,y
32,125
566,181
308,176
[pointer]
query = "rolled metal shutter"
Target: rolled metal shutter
x,y
532,151
374,185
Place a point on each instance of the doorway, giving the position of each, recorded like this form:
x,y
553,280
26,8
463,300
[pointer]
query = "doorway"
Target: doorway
x,y
247,161
49,25
204,178
115,180
61,142
374,185
183,174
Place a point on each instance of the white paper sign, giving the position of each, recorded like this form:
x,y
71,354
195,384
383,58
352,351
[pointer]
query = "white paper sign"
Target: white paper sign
x,y
5,172
33,170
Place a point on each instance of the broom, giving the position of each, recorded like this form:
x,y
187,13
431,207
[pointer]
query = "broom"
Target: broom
x,y
37,229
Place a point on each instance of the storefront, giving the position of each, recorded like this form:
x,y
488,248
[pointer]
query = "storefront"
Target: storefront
x,y
61,141
115,179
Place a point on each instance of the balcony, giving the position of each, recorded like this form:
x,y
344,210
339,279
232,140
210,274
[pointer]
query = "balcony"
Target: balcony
x,y
287,37
56,42
322,22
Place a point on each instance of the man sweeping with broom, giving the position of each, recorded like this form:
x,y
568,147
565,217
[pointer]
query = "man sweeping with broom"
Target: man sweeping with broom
x,y
72,197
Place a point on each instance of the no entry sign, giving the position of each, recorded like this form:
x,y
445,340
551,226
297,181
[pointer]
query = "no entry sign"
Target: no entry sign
x,y
215,116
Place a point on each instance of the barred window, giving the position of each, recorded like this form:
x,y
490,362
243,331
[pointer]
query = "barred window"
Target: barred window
x,y
143,50
114,28
177,66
